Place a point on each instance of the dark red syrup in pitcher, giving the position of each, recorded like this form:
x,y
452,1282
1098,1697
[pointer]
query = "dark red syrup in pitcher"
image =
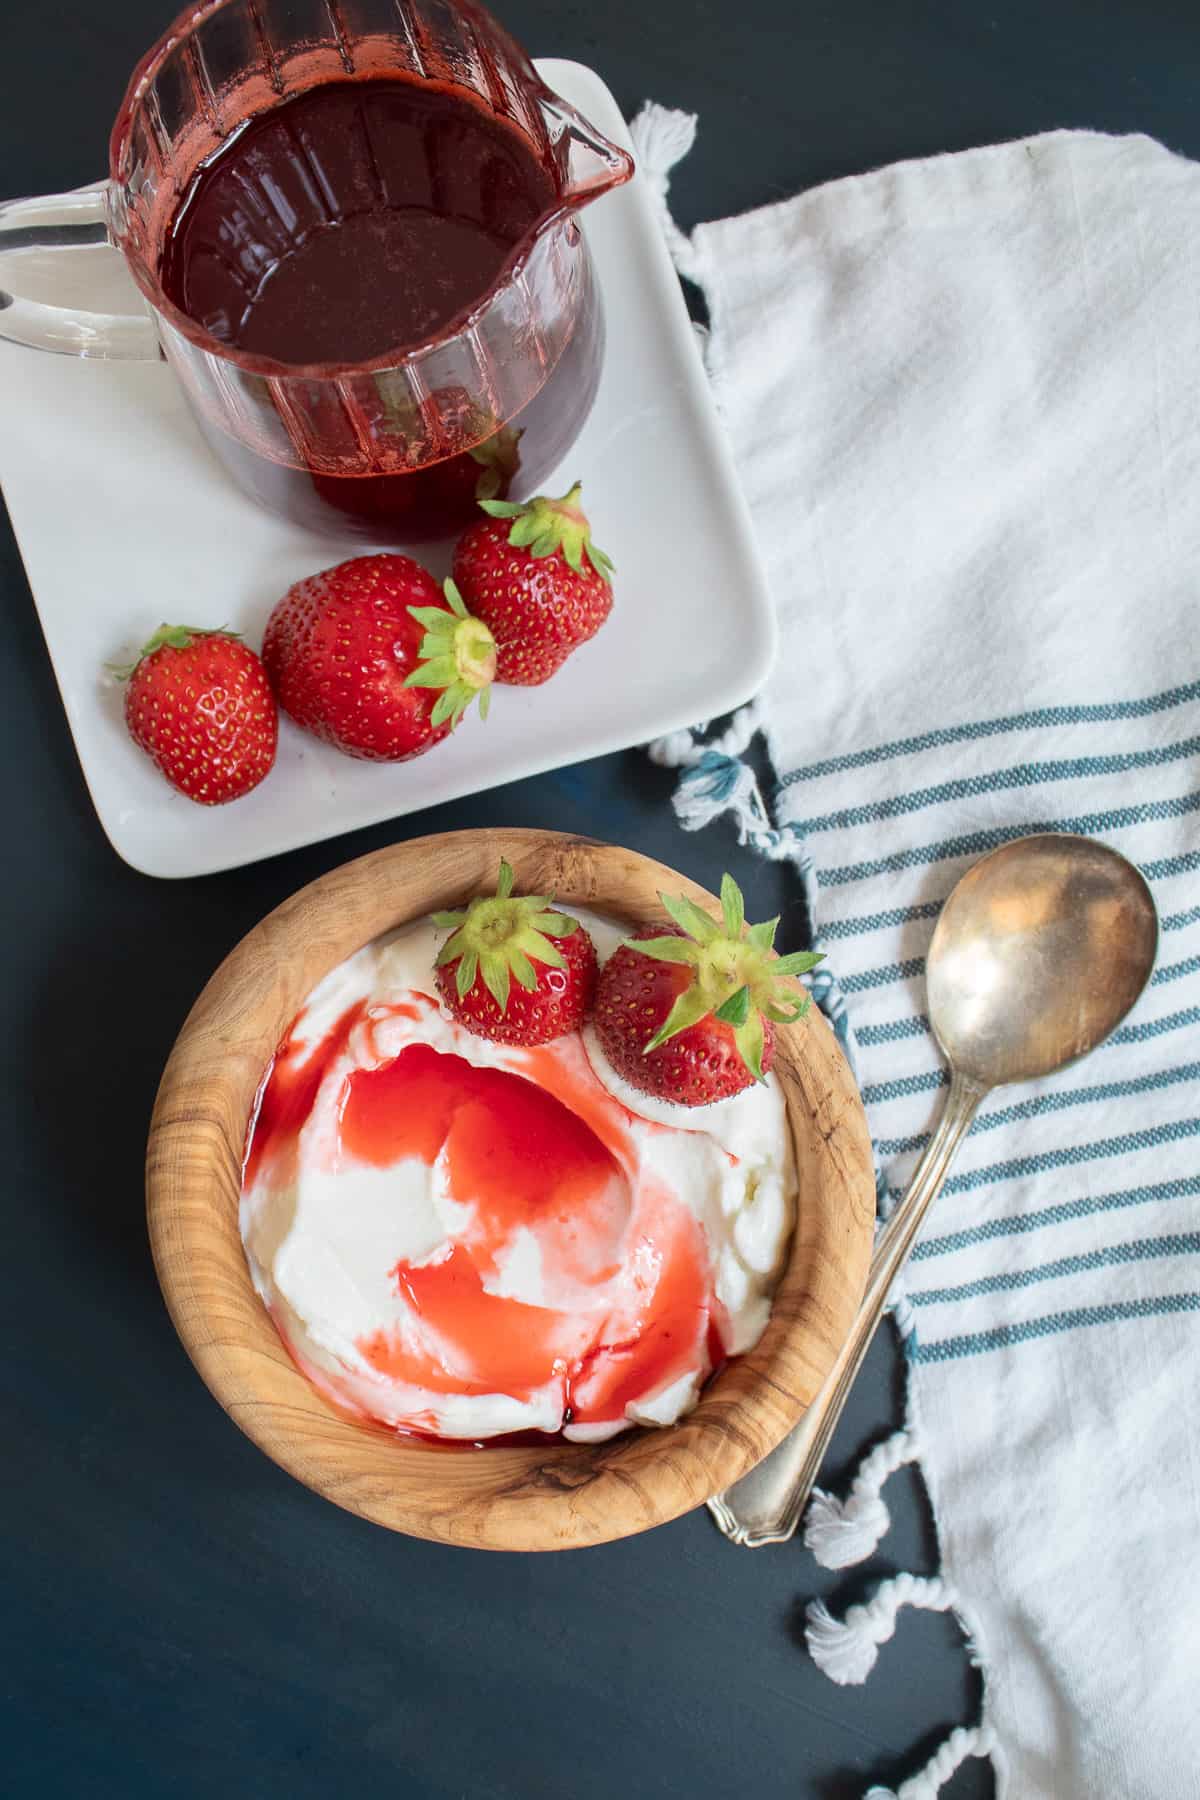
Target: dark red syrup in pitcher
x,y
364,218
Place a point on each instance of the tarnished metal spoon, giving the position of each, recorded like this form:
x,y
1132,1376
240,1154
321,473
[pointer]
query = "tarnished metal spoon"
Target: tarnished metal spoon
x,y
1038,954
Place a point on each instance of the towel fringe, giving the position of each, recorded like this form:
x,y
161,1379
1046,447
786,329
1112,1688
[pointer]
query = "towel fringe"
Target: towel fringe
x,y
963,1741
842,1532
662,137
846,1649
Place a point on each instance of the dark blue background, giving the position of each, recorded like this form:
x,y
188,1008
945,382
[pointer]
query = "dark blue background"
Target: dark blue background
x,y
181,1618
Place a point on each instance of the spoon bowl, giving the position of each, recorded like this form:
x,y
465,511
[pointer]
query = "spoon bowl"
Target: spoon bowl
x,y
1039,953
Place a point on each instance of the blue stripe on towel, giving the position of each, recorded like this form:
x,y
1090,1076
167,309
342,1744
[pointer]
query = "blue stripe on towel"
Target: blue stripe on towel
x,y
877,1091
1172,972
899,915
893,1031
1002,1337
897,1029
1185,864
976,842
1113,1256
1059,1098
1138,1034
869,978
1103,713
1055,1101
901,1146
995,781
1020,1166
1183,1188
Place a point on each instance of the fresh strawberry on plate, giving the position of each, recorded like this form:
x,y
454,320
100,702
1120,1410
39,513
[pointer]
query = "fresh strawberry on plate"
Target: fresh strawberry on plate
x,y
199,703
514,970
373,657
687,1011
531,572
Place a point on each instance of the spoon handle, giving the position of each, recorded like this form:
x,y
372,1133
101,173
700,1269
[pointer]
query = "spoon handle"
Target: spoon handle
x,y
764,1507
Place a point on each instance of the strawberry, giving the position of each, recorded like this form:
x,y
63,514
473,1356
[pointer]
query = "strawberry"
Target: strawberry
x,y
531,572
502,937
199,703
688,1013
370,657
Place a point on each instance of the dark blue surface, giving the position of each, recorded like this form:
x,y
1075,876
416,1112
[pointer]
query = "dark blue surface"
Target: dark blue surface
x,y
182,1619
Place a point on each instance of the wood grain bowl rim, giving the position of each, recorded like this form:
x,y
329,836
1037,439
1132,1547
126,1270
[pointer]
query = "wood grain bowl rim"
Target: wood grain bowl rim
x,y
506,1498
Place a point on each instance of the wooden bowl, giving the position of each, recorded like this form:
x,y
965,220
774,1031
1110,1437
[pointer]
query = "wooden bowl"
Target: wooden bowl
x,y
501,1498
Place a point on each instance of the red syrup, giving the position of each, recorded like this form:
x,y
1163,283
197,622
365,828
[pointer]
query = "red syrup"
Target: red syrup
x,y
364,218
288,1094
521,1159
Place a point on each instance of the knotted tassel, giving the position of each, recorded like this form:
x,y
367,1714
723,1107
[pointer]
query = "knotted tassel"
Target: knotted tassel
x,y
842,1532
683,749
676,750
964,1741
661,138
846,1649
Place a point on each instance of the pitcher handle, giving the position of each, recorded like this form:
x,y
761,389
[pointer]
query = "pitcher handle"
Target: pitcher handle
x,y
64,222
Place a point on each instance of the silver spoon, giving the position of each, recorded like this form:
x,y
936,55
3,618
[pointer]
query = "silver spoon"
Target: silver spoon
x,y
1038,954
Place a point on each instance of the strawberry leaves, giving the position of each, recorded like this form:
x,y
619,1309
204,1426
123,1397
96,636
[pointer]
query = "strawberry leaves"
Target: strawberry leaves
x,y
749,1038
513,969
799,962
669,949
543,526
688,1010
464,975
172,637
733,907
737,979
458,655
736,1009
499,937
690,918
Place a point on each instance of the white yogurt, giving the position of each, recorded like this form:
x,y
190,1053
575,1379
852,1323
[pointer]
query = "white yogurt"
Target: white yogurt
x,y
359,1263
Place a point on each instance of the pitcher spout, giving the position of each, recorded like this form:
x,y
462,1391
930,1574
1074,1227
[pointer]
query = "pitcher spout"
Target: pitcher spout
x,y
590,163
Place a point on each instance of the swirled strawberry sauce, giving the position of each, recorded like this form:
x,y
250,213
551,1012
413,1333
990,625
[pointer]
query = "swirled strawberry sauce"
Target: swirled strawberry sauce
x,y
467,1240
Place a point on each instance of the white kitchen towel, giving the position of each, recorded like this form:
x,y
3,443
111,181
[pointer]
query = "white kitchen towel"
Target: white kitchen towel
x,y
964,399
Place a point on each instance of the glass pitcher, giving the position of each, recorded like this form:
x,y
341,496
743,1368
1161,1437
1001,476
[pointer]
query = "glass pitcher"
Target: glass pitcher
x,y
401,446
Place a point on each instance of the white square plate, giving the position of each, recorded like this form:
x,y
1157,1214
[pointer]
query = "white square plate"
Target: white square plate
x,y
124,519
